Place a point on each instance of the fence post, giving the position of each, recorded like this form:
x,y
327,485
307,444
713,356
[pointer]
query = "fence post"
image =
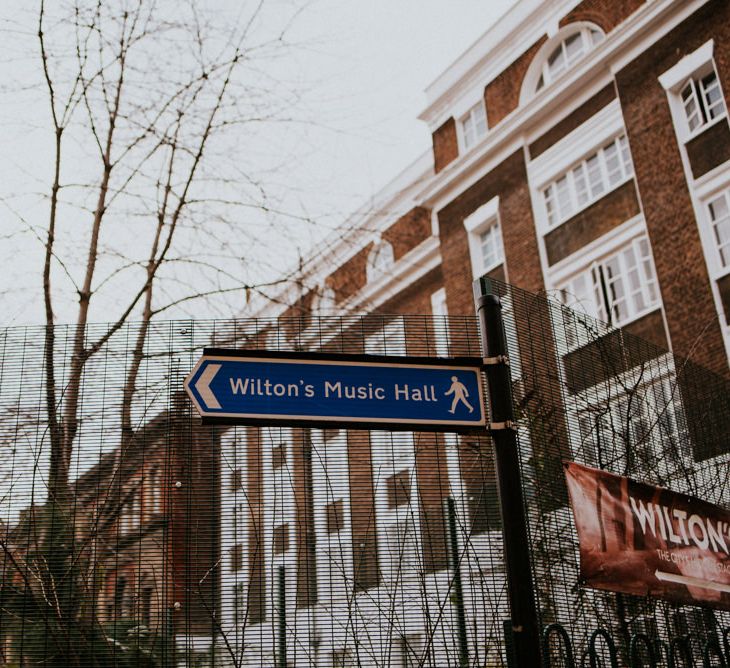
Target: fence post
x,y
458,589
525,623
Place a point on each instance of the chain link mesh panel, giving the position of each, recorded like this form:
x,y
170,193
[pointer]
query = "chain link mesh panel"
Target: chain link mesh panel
x,y
599,395
134,535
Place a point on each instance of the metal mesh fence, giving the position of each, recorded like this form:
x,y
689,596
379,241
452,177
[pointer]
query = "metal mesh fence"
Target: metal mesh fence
x,y
601,396
134,535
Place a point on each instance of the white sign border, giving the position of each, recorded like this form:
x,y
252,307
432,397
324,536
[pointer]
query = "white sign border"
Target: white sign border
x,y
204,413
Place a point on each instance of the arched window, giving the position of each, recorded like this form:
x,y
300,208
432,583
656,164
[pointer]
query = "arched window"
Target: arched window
x,y
558,55
380,260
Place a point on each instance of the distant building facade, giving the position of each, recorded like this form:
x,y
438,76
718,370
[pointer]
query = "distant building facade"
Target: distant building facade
x,y
580,148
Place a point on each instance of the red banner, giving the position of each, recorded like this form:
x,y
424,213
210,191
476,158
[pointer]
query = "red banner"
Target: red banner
x,y
649,541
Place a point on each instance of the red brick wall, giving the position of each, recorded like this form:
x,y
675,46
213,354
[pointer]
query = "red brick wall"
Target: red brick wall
x,y
349,278
301,308
404,234
195,521
304,519
433,488
362,511
502,94
592,222
445,145
509,181
408,231
416,298
606,14
670,218
588,109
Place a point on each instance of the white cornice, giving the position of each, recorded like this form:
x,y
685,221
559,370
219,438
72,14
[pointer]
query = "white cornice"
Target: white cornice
x,y
413,266
648,24
406,270
410,268
417,185
518,29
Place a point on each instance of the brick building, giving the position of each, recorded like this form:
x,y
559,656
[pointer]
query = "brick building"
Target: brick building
x,y
146,516
580,148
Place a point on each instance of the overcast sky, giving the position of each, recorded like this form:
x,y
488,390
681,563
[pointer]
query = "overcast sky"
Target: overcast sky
x,y
366,65
383,54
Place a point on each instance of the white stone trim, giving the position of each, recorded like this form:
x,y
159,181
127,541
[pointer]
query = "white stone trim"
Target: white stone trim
x,y
700,194
413,266
708,185
459,120
608,123
535,70
476,220
699,62
675,76
475,224
465,103
597,250
517,30
594,250
636,34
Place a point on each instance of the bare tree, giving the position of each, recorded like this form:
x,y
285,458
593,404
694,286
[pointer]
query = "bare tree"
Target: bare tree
x,y
154,101
157,200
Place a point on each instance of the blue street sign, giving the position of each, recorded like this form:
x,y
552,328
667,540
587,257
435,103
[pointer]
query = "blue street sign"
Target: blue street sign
x,y
257,388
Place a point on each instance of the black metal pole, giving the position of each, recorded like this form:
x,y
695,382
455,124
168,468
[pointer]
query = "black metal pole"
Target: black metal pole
x,y
525,623
281,662
458,588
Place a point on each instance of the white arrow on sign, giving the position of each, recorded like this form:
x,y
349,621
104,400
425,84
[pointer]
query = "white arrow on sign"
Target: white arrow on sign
x,y
203,385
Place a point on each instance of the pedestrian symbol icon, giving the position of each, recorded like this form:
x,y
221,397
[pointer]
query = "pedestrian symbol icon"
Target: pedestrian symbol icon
x,y
458,389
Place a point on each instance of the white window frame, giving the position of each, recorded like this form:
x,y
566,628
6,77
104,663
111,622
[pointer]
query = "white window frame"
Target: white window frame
x,y
719,247
476,119
539,75
439,310
596,258
482,221
647,416
702,198
564,155
584,177
688,71
705,188
697,92
657,401
586,35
